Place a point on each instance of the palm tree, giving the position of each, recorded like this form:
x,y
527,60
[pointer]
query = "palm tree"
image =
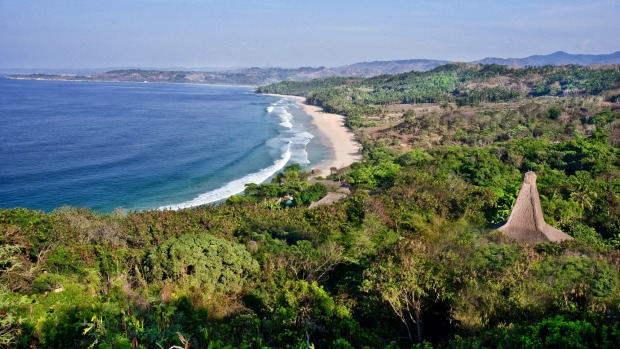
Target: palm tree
x,y
333,170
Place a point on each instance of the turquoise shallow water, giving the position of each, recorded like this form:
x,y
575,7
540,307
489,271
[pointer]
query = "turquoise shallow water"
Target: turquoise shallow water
x,y
142,146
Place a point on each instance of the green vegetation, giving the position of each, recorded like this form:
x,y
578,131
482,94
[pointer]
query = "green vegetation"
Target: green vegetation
x,y
210,263
462,84
288,188
409,260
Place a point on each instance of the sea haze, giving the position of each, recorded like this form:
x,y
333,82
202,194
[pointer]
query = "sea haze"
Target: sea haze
x,y
142,146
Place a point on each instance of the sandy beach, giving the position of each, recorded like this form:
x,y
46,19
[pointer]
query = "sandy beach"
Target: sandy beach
x,y
345,148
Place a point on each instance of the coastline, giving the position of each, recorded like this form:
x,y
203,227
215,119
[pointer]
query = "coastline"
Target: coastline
x,y
344,146
9,77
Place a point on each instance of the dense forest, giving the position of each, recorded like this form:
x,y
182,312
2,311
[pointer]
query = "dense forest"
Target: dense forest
x,y
459,83
410,259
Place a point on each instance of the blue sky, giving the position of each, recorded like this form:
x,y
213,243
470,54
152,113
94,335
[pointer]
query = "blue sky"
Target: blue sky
x,y
269,33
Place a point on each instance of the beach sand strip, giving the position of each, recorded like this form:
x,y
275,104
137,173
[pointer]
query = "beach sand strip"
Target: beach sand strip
x,y
345,148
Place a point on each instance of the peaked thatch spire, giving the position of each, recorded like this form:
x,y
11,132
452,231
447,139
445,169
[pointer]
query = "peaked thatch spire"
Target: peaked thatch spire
x,y
526,222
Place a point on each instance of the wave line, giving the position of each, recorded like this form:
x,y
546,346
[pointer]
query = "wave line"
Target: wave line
x,y
234,187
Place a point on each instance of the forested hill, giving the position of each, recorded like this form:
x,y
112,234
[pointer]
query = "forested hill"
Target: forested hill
x,y
461,83
410,259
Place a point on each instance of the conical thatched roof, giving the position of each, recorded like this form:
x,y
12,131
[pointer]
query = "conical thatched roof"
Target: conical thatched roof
x,y
526,222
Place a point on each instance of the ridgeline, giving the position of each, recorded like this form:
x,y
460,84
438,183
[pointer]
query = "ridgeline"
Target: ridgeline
x,y
262,76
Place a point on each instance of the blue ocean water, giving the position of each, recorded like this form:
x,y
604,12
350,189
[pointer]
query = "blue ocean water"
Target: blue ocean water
x,y
142,146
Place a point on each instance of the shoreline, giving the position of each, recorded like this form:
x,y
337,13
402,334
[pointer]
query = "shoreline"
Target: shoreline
x,y
8,77
345,149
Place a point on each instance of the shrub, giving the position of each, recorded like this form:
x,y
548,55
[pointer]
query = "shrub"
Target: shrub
x,y
215,264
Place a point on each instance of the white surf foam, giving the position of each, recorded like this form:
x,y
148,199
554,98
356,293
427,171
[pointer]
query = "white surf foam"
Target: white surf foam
x,y
304,136
291,143
235,187
299,142
280,108
286,118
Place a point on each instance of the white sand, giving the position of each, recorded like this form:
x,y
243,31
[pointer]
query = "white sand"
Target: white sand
x,y
345,148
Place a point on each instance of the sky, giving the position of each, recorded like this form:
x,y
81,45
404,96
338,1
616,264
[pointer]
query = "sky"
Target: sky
x,y
78,34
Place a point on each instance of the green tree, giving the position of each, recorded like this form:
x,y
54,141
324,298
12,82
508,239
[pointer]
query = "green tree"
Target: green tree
x,y
213,263
403,280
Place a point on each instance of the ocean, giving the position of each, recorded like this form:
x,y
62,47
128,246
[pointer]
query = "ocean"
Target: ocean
x,y
141,146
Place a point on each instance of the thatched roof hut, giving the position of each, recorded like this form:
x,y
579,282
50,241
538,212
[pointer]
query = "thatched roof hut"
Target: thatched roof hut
x,y
526,222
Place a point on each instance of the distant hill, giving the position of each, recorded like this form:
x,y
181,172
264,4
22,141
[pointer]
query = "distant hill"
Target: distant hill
x,y
264,76
237,77
246,76
369,69
556,58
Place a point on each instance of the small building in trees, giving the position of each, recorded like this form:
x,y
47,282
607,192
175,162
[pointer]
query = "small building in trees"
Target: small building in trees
x,y
526,222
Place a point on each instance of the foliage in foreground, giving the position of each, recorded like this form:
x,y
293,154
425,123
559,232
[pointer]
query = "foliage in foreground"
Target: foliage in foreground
x,y
417,261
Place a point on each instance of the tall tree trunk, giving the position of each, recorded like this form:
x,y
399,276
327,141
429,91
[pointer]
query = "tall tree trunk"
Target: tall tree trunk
x,y
418,321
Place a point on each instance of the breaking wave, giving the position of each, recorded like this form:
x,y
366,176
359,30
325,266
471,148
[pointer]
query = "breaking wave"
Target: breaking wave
x,y
290,144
